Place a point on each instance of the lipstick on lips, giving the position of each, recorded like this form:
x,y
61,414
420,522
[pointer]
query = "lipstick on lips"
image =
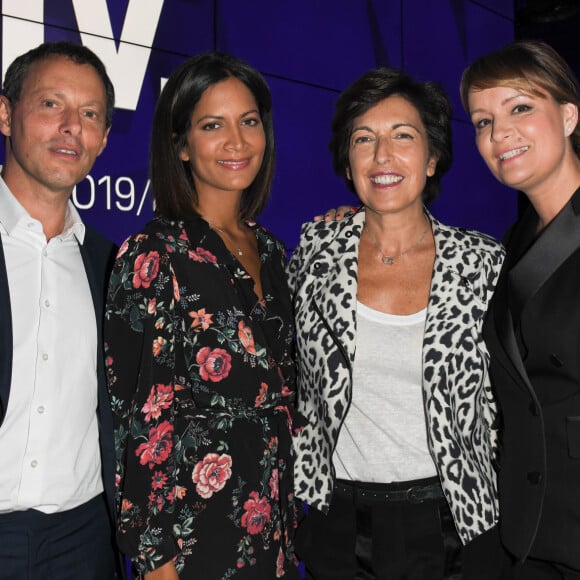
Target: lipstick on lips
x,y
235,164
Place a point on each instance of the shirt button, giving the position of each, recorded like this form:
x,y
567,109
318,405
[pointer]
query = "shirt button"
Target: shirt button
x,y
40,410
534,477
44,356
33,463
47,302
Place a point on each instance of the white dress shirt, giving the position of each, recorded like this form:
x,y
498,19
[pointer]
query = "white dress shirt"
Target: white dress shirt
x,y
49,441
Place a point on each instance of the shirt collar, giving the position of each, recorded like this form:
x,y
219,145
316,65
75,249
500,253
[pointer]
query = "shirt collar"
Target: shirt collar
x,y
13,213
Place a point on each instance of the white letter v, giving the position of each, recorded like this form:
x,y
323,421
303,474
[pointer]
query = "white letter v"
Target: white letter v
x,y
127,66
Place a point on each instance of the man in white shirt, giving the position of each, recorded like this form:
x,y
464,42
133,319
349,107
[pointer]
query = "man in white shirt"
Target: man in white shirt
x,y
56,437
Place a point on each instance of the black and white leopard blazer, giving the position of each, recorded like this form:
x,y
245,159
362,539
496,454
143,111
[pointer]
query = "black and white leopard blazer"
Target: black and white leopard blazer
x,y
459,408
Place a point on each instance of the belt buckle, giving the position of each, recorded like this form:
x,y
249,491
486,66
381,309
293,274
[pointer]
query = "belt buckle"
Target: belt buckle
x,y
412,495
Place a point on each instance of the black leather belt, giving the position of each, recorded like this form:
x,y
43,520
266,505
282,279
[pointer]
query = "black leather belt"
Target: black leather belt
x,y
389,492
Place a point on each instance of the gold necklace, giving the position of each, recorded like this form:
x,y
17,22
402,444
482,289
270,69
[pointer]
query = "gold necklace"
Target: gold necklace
x,y
390,260
214,227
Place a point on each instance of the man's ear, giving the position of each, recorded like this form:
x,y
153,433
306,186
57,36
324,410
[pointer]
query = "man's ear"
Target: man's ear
x,y
5,116
105,141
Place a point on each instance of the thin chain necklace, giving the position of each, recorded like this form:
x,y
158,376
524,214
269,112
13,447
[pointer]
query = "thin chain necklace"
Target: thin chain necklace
x,y
390,260
214,227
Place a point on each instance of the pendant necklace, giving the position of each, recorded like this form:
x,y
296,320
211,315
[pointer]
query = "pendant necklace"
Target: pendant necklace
x,y
390,260
214,227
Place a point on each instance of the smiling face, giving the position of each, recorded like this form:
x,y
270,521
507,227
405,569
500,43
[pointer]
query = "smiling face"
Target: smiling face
x,y
55,130
226,141
389,159
524,137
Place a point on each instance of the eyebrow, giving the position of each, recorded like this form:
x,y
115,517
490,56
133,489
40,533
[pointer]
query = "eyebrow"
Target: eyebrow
x,y
395,126
49,93
221,117
505,101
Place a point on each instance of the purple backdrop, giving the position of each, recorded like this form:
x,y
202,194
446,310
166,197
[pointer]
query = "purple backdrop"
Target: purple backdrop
x,y
308,50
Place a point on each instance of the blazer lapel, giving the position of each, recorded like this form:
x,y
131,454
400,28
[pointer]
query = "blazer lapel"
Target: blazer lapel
x,y
528,266
506,349
6,346
545,256
446,301
337,264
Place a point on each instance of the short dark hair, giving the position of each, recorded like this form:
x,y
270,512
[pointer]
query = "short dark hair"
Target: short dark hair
x,y
530,65
79,54
428,98
171,178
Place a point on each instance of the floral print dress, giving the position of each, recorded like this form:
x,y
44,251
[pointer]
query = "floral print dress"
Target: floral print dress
x,y
202,384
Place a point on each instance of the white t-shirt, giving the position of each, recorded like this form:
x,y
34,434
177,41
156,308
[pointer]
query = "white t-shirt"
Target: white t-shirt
x,y
384,438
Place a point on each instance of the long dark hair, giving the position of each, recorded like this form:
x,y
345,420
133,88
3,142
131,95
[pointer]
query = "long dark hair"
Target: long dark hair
x,y
171,178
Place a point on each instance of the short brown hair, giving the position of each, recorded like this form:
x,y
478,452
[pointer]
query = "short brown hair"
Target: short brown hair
x,y
428,98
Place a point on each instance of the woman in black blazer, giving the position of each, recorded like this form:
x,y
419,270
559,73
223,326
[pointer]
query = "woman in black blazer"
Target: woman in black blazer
x,y
523,101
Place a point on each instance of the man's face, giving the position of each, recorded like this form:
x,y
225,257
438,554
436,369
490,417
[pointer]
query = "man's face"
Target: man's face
x,y
57,128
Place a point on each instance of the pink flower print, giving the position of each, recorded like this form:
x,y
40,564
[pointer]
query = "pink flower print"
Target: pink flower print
x,y
201,255
214,365
211,474
123,248
126,505
145,269
158,447
177,492
261,398
158,480
158,345
160,397
152,306
257,513
274,485
176,293
201,318
280,564
246,337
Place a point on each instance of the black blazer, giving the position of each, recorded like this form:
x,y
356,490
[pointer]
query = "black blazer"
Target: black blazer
x,y
97,254
532,331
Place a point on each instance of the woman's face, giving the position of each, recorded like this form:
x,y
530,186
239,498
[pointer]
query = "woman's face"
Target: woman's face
x,y
522,137
389,159
226,141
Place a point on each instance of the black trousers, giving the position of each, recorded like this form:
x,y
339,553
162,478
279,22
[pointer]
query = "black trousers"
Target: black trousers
x,y
72,545
368,538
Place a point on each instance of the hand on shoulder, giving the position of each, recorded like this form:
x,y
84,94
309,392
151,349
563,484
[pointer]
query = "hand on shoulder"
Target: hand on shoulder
x,y
336,214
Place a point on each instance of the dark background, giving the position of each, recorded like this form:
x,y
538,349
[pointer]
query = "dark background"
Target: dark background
x,y
308,51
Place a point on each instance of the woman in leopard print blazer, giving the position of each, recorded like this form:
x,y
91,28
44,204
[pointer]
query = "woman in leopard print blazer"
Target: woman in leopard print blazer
x,y
396,462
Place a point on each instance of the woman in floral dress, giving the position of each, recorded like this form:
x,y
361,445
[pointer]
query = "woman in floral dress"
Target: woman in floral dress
x,y
199,343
